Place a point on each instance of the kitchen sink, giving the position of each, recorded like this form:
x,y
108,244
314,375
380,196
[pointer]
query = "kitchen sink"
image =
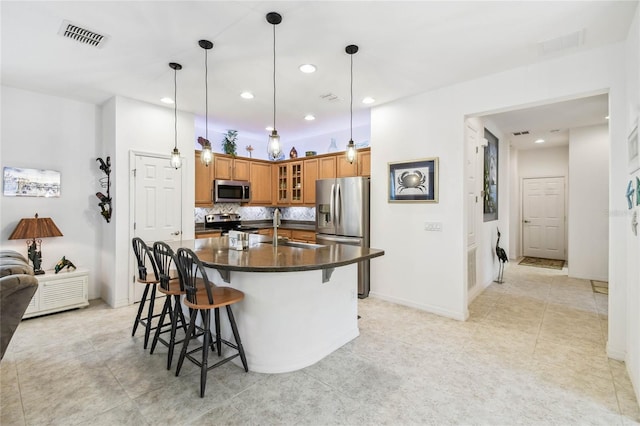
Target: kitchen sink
x,y
295,244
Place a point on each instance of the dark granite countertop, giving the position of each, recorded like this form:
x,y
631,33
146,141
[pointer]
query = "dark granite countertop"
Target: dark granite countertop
x,y
286,224
262,256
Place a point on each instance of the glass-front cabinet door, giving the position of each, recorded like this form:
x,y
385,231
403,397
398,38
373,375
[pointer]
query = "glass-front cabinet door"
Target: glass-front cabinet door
x,y
282,184
296,182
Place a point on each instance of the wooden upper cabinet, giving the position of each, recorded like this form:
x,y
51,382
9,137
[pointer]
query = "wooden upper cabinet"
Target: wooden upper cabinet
x,y
203,183
364,162
222,167
295,187
281,180
309,177
228,168
241,169
327,167
260,178
344,168
360,167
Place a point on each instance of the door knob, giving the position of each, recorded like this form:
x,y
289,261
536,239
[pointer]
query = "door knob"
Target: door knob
x,y
527,221
175,233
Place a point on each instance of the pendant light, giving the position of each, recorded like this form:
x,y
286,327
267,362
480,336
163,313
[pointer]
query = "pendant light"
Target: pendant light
x,y
206,156
176,161
351,147
274,148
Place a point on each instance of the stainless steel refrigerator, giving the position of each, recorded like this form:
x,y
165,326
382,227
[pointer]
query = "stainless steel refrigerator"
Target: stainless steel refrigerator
x,y
342,217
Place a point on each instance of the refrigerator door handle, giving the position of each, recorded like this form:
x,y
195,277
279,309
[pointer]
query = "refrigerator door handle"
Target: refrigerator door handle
x,y
338,205
331,204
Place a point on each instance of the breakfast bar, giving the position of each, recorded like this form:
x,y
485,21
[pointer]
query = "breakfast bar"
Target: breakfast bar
x,y
300,300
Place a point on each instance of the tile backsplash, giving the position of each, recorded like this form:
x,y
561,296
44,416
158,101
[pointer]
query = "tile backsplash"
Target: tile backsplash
x,y
257,213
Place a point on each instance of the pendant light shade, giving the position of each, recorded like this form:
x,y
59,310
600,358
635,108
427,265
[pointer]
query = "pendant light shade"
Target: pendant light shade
x,y
274,148
176,161
206,156
352,49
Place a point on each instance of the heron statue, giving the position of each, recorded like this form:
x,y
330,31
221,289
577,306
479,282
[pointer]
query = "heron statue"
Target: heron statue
x,y
502,258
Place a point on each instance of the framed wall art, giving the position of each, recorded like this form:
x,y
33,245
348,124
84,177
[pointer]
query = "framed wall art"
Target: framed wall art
x,y
490,184
31,182
633,150
414,181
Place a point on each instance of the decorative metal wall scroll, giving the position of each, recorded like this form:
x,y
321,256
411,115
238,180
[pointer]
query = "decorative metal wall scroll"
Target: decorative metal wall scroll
x,y
105,182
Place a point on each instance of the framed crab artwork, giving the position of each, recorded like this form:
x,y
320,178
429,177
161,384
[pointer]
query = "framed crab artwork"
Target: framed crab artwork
x,y
414,181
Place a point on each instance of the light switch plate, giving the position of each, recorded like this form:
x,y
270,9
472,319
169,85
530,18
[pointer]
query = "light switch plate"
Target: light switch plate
x,y
433,226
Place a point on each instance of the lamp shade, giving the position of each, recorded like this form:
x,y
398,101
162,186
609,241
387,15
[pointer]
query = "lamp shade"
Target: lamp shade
x,y
36,227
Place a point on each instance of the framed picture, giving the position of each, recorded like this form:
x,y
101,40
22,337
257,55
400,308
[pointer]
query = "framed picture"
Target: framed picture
x,y
633,151
31,182
414,181
490,183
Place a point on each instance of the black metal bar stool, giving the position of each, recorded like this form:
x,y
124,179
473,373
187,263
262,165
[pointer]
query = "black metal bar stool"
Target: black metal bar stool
x,y
203,300
145,260
173,289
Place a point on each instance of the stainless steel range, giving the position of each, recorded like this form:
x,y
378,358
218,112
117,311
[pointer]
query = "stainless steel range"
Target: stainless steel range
x,y
226,222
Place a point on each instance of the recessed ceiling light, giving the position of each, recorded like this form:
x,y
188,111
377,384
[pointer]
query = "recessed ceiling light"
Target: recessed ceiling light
x,y
269,129
166,100
309,117
307,68
368,100
539,141
246,95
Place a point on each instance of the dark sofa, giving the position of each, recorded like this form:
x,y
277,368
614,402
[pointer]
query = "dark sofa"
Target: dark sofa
x,y
17,287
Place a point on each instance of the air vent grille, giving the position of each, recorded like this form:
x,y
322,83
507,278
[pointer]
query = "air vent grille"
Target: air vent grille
x,y
565,42
330,97
82,35
524,132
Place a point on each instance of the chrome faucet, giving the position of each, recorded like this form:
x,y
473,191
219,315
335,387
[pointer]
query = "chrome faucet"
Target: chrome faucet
x,y
276,223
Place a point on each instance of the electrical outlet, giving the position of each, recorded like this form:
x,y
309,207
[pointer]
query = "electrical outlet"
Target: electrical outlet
x,y
433,226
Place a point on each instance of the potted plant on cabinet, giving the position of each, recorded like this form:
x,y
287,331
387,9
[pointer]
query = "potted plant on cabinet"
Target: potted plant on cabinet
x,y
229,142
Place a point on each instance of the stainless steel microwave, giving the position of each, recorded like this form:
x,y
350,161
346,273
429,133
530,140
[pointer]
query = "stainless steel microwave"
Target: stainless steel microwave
x,y
231,191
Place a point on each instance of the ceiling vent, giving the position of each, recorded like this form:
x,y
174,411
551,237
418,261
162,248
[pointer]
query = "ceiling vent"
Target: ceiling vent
x,y
82,35
524,132
330,97
565,42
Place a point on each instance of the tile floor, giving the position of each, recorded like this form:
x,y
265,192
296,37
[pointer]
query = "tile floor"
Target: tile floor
x,y
532,352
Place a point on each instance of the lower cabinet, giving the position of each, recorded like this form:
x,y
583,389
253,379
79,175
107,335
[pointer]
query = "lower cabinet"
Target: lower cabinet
x,y
208,234
303,236
292,234
266,231
67,289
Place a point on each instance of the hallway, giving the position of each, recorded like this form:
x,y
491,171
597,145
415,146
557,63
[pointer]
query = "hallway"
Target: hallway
x,y
532,352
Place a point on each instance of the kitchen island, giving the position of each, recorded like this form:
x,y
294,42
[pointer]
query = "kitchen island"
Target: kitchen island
x,y
301,301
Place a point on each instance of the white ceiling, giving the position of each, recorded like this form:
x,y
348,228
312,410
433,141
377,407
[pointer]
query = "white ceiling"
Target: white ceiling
x,y
551,122
405,48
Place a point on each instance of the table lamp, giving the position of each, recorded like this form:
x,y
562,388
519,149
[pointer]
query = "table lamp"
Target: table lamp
x,y
33,230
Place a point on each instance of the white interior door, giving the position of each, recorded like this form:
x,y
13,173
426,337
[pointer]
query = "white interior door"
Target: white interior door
x,y
157,203
543,214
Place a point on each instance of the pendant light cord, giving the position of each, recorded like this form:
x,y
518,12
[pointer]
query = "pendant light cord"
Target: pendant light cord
x,y
274,77
206,95
351,104
175,107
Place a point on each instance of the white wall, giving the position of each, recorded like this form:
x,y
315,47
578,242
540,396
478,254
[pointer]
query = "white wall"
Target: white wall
x,y
514,206
587,217
428,269
319,143
626,303
48,132
545,162
137,126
